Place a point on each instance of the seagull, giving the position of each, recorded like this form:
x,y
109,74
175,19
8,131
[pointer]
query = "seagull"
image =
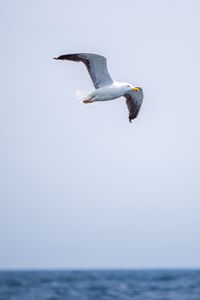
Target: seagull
x,y
105,87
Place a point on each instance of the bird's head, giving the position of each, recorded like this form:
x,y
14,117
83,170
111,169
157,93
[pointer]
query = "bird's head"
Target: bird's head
x,y
128,87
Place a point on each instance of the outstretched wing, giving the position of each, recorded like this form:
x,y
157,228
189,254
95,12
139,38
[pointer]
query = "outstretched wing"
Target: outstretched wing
x,y
134,101
96,66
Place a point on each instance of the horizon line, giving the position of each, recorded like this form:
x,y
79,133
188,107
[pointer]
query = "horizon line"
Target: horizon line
x,y
67,269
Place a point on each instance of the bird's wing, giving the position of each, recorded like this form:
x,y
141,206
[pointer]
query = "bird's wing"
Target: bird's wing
x,y
96,66
134,101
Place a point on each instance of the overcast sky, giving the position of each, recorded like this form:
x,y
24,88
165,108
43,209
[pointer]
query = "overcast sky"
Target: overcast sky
x,y
81,187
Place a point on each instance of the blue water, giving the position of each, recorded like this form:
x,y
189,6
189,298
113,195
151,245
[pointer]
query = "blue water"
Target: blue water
x,y
100,285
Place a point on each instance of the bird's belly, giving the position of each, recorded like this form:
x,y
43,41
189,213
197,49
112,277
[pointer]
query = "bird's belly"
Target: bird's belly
x,y
105,94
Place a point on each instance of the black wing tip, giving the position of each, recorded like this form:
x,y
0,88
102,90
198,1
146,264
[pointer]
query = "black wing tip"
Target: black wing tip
x,y
59,57
131,118
73,57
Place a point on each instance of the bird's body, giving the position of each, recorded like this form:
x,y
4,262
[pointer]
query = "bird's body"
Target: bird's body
x,y
111,92
105,88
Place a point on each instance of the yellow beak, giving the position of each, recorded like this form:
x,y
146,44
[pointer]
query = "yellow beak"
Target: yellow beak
x,y
135,89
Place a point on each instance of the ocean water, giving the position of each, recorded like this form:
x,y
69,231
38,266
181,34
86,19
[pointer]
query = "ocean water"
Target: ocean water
x,y
100,285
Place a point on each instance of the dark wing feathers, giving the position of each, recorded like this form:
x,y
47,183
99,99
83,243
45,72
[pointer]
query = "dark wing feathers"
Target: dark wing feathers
x,y
96,66
134,101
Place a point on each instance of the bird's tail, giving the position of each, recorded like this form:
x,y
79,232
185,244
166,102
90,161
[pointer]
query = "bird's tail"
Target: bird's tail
x,y
83,96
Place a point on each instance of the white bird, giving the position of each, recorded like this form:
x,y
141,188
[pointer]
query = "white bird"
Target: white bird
x,y
105,87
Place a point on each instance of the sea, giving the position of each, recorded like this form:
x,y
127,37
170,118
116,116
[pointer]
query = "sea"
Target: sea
x,y
100,285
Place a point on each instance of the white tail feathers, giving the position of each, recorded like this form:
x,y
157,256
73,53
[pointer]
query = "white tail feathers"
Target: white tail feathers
x,y
82,95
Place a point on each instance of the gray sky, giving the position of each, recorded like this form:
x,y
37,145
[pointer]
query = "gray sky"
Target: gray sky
x,y
80,186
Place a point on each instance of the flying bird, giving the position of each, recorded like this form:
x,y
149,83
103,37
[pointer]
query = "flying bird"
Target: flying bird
x,y
105,87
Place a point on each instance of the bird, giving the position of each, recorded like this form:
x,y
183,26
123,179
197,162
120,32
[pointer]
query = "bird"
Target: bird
x,y
105,87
